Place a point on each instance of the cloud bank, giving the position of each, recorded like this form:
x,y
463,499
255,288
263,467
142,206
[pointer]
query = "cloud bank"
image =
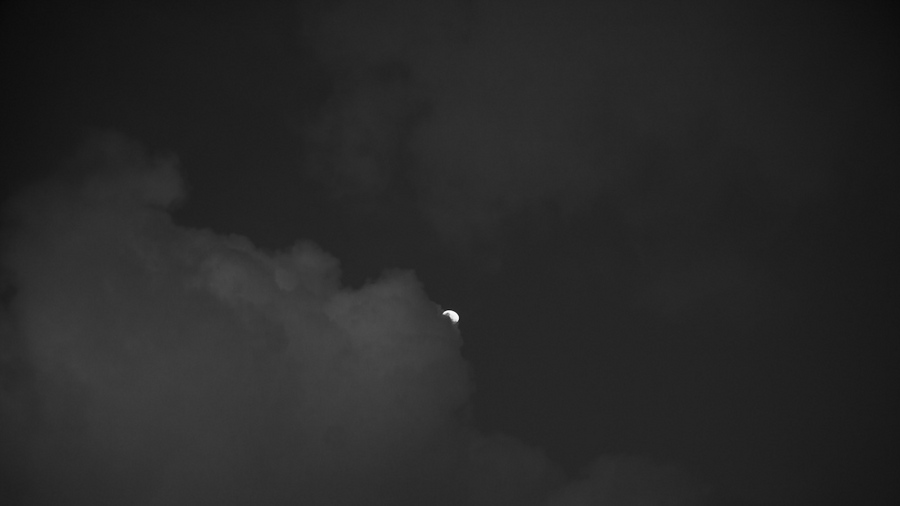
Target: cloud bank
x,y
147,363
489,111
481,110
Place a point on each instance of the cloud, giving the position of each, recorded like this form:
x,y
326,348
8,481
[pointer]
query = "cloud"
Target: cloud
x,y
175,366
147,363
484,112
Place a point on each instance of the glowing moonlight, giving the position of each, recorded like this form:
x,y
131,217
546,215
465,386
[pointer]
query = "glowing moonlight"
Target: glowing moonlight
x,y
453,315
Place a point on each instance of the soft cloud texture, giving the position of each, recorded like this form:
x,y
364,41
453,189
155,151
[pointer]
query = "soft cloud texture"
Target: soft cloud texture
x,y
483,110
486,111
174,366
710,280
146,363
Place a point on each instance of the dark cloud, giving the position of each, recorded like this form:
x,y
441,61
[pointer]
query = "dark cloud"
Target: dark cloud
x,y
456,100
147,363
175,366
486,110
673,227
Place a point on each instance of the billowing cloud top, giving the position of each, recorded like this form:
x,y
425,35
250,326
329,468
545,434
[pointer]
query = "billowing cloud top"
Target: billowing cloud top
x,y
169,362
147,363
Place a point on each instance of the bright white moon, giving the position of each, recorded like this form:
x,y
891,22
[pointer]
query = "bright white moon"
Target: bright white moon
x,y
453,315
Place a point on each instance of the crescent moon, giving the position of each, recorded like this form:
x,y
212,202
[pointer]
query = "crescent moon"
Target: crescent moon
x,y
453,315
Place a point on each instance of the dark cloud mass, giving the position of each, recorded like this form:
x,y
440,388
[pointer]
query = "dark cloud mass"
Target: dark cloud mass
x,y
228,235
454,98
147,363
486,110
175,366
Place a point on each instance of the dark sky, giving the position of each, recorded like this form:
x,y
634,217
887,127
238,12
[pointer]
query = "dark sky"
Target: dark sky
x,y
229,230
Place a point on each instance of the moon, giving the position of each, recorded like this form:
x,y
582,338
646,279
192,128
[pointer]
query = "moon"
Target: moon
x,y
453,315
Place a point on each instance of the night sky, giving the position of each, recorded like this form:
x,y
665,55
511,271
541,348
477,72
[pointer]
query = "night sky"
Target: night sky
x,y
230,229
